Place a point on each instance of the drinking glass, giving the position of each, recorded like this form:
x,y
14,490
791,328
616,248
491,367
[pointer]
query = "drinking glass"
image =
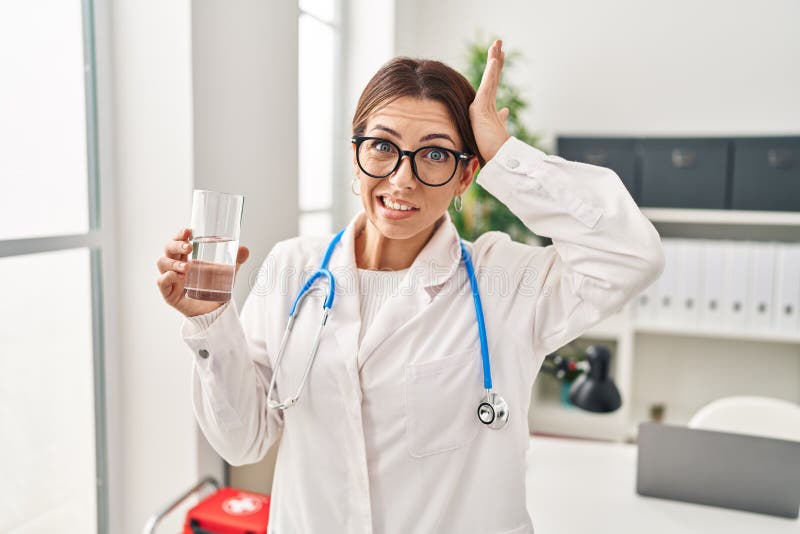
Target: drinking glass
x,y
216,221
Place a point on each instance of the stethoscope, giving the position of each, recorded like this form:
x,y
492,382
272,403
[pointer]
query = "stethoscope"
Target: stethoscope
x,y
492,410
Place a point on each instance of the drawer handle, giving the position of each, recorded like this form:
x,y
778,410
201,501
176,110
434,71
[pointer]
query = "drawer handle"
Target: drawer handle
x,y
597,157
683,159
780,158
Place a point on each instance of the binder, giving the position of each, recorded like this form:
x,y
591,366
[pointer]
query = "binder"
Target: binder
x,y
761,279
646,306
735,286
787,288
666,287
688,282
712,268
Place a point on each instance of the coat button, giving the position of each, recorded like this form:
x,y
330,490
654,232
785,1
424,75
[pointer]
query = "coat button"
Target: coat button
x,y
512,164
203,353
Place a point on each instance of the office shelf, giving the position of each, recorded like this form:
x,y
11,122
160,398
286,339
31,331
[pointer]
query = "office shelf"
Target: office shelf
x,y
772,336
643,348
614,329
724,217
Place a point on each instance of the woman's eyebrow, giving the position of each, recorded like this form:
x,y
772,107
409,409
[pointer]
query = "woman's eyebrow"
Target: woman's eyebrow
x,y
436,136
387,130
422,139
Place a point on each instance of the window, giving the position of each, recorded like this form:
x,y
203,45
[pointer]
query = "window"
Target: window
x,y
319,80
52,394
43,130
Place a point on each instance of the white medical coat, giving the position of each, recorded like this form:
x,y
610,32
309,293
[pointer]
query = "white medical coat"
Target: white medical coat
x,y
385,437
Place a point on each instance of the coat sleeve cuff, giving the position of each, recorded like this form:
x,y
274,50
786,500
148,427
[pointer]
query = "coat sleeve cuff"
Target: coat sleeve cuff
x,y
212,345
202,322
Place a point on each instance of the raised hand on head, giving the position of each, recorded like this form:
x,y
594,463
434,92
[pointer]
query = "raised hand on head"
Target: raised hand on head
x,y
489,124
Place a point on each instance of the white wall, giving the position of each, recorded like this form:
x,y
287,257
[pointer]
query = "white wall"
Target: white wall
x,y
621,67
243,137
246,141
153,171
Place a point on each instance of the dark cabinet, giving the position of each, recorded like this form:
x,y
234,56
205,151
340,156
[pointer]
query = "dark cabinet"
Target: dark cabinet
x,y
684,173
766,174
742,173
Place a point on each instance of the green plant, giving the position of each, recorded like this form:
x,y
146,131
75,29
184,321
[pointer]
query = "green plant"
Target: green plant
x,y
482,212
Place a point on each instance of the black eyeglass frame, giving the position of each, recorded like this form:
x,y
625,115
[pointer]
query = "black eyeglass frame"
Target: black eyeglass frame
x,y
460,157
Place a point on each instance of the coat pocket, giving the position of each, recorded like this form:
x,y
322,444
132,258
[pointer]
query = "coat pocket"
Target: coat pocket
x,y
441,402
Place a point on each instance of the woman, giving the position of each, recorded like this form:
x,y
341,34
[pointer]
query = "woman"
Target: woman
x,y
384,437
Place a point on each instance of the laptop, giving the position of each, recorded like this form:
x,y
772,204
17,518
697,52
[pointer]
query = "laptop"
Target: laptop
x,y
738,471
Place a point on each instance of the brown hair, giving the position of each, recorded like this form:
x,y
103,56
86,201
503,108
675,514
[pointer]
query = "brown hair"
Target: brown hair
x,y
420,78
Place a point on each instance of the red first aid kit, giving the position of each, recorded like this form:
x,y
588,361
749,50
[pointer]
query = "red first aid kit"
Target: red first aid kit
x,y
229,511
225,511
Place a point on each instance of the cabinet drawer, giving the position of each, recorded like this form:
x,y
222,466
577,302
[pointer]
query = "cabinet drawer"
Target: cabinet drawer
x,y
766,174
684,173
617,154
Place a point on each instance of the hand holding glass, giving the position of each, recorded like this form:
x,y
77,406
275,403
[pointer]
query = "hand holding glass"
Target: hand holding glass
x,y
216,222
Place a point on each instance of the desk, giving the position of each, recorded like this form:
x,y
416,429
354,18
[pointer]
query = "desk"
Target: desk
x,y
577,487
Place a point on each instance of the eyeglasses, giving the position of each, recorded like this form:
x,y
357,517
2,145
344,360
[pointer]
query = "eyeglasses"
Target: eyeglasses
x,y
432,165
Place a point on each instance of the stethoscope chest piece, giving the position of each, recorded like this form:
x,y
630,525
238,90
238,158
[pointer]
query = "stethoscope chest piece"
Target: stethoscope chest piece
x,y
493,411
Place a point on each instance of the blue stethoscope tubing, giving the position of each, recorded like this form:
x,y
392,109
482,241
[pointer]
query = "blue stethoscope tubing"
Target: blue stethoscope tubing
x,y
492,411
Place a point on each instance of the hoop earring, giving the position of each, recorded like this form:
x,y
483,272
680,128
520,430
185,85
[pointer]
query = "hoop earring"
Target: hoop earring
x,y
457,203
355,191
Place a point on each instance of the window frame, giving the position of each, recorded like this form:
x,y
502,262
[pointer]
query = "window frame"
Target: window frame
x,y
98,239
339,138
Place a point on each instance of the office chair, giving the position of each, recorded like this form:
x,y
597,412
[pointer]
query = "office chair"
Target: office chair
x,y
760,416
